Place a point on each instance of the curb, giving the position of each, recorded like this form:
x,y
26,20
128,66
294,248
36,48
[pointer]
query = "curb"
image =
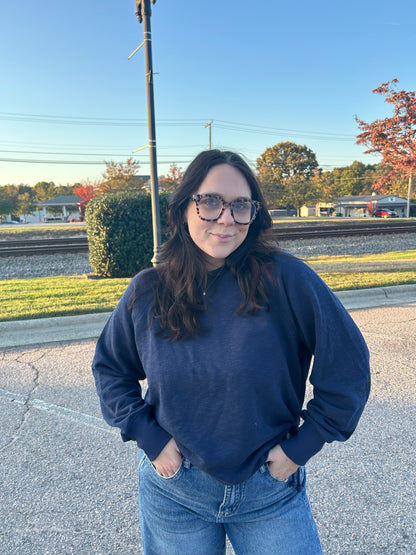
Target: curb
x,y
52,330
23,333
377,297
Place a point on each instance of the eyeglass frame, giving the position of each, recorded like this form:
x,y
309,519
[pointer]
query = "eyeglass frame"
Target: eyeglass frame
x,y
198,196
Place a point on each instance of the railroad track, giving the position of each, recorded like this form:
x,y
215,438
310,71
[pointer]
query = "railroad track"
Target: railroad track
x,y
341,230
31,247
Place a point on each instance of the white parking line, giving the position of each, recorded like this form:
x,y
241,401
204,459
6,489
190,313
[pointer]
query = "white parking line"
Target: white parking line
x,y
78,417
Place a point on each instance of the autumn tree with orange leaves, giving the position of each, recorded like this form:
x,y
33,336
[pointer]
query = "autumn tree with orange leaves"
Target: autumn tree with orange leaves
x,y
172,179
119,176
395,137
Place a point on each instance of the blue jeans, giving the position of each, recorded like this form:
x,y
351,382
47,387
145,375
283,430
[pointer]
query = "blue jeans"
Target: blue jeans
x,y
191,513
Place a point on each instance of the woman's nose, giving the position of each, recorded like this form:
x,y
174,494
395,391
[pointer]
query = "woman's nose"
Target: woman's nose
x,y
226,217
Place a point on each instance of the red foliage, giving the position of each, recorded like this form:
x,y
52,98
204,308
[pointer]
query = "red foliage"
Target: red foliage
x,y
395,137
372,206
86,192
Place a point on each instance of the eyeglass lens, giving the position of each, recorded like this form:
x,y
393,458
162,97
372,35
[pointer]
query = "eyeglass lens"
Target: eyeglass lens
x,y
211,208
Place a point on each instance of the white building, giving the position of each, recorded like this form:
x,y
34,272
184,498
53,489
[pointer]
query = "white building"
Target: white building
x,y
364,205
65,202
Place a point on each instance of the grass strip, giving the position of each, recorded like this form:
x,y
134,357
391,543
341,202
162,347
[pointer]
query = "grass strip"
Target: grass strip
x,y
22,299
381,257
19,233
344,281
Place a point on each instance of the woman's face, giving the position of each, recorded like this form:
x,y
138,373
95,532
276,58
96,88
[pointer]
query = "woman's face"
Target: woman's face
x,y
220,238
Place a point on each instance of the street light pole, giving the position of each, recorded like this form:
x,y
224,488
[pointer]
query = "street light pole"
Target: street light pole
x,y
143,13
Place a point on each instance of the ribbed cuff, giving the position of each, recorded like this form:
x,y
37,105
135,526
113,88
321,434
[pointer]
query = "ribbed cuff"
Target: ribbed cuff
x,y
304,445
148,434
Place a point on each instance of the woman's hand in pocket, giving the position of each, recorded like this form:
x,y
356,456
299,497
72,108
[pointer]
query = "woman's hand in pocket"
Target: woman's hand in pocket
x,y
281,467
169,460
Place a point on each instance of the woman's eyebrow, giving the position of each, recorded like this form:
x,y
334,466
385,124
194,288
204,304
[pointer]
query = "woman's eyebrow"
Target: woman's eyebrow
x,y
220,196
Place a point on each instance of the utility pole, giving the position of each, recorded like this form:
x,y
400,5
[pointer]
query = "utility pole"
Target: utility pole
x,y
209,133
409,195
143,13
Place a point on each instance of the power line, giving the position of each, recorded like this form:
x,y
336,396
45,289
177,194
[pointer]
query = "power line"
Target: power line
x,y
274,129
43,153
180,122
82,162
68,153
123,148
288,133
75,120
35,149
34,161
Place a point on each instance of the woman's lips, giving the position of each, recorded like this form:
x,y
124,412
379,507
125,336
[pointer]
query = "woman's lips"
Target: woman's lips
x,y
221,237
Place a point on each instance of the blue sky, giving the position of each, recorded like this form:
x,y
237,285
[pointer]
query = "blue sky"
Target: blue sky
x,y
264,71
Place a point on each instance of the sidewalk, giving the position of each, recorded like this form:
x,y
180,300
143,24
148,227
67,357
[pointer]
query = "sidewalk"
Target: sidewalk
x,y
89,326
69,483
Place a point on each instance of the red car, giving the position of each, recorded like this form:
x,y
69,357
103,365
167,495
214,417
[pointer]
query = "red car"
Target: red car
x,y
385,213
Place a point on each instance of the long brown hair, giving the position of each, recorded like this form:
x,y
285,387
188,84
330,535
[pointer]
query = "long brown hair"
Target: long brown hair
x,y
178,300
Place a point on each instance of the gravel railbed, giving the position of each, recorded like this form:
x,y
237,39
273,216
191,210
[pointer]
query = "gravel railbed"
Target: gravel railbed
x,y
24,267
355,245
44,265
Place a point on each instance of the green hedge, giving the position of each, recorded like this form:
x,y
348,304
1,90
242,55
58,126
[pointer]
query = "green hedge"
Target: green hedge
x,y
120,232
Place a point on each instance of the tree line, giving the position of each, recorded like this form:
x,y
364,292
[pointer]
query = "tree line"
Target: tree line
x,y
289,173
22,200
291,177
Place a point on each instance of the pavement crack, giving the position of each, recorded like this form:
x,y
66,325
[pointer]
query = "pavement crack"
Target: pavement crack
x,y
26,406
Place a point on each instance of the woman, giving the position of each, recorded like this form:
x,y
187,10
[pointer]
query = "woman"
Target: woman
x,y
225,330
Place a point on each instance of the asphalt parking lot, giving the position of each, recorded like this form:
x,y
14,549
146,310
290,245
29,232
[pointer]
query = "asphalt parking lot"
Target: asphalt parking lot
x,y
69,482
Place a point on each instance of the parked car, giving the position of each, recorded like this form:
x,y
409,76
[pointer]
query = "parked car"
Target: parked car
x,y
385,213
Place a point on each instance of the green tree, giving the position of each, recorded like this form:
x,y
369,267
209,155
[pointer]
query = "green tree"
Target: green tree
x,y
299,190
398,186
325,186
373,173
26,203
285,172
8,200
356,179
44,191
64,190
351,179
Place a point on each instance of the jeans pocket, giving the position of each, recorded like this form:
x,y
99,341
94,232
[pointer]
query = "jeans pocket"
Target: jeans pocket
x,y
174,476
296,480
270,475
290,481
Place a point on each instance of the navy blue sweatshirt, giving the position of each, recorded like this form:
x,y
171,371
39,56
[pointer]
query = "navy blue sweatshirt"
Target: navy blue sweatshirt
x,y
231,394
